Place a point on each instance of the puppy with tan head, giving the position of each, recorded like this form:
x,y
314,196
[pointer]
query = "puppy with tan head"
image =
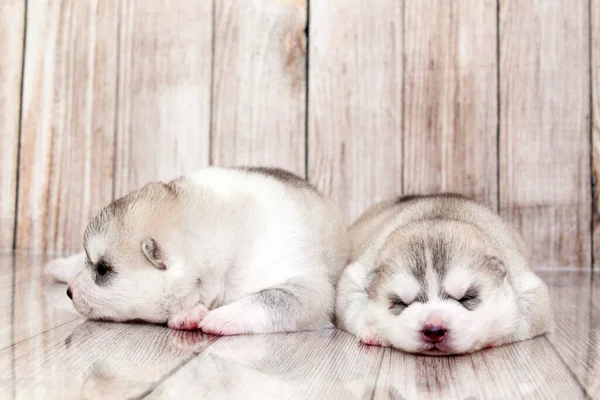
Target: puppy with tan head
x,y
226,250
439,275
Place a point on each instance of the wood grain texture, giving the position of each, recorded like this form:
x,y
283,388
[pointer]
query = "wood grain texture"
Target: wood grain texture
x,y
355,101
12,20
544,128
41,345
68,121
163,92
595,71
43,340
260,83
450,98
37,306
326,364
577,320
508,372
7,292
100,360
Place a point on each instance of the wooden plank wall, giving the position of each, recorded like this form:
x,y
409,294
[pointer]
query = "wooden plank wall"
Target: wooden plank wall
x,y
259,87
595,78
67,123
163,100
545,189
12,20
451,91
355,101
492,98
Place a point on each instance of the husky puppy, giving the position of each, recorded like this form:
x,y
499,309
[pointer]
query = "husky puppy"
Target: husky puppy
x,y
225,250
439,275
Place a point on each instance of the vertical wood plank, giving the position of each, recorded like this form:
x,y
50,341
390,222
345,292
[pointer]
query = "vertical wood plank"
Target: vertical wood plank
x,y
68,121
595,71
12,19
355,101
260,83
544,128
164,90
450,98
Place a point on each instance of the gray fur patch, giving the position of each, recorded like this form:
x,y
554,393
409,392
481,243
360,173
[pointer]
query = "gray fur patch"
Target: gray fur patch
x,y
439,257
172,187
494,267
278,299
413,197
418,261
281,303
416,253
281,175
422,297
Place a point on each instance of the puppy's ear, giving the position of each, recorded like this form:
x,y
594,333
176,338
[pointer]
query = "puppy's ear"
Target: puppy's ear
x,y
496,265
153,253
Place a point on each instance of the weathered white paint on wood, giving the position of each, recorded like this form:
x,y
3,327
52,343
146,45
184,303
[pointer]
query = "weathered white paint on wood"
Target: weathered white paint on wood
x,y
163,108
450,98
67,140
544,128
386,114
259,84
12,19
355,101
595,78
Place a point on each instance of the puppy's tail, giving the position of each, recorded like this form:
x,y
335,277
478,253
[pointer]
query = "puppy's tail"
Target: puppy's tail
x,y
65,269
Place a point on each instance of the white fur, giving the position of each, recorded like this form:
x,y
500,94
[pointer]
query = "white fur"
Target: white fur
x,y
515,307
229,235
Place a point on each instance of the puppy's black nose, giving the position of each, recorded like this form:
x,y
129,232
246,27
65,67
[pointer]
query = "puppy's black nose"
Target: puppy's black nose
x,y
69,293
434,333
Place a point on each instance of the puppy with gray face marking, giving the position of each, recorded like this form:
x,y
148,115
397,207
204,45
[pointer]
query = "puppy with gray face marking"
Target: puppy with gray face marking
x,y
439,275
227,250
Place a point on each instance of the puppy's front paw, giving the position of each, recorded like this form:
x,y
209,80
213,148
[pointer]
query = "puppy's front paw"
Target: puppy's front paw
x,y
64,269
188,320
368,336
222,322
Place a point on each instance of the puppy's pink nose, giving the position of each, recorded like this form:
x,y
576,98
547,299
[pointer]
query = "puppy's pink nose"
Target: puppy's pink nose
x,y
433,333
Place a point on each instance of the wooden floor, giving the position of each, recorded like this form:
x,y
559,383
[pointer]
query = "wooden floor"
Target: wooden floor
x,y
48,351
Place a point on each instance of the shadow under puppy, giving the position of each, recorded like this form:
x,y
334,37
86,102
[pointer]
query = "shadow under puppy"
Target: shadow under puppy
x,y
439,275
225,250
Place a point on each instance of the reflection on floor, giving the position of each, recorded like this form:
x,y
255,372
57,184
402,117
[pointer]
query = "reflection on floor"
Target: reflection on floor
x,y
48,351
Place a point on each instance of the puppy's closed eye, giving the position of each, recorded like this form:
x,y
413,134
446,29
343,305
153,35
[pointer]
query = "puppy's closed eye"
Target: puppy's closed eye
x,y
470,300
102,270
397,305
